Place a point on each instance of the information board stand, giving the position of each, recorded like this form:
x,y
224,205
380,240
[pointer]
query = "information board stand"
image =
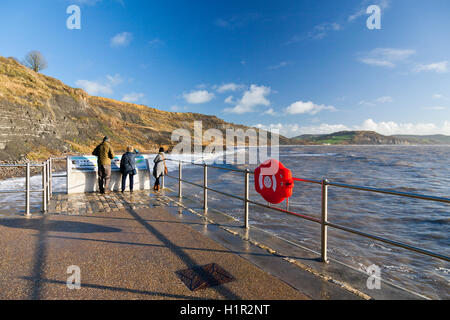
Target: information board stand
x,y
82,174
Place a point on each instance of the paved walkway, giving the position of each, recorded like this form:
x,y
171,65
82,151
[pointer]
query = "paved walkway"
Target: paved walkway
x,y
89,203
130,246
123,250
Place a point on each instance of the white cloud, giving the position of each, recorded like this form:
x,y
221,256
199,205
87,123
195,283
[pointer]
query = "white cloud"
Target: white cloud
x,y
115,79
100,87
199,96
385,99
436,108
251,98
309,107
386,57
439,67
270,112
386,128
133,97
392,128
321,31
390,58
278,65
357,14
377,62
94,88
292,130
366,103
439,96
318,32
229,87
383,4
229,100
121,39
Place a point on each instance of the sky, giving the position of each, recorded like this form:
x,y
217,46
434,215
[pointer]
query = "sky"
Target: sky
x,y
302,67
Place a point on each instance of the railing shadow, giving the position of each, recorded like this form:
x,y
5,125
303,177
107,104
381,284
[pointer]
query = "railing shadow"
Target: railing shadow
x,y
57,226
117,289
44,225
179,251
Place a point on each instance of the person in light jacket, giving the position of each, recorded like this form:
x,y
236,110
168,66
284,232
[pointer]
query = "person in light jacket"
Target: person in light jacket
x,y
159,169
128,167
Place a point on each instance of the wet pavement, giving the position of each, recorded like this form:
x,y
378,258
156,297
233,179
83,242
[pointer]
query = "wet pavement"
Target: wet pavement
x,y
123,252
133,246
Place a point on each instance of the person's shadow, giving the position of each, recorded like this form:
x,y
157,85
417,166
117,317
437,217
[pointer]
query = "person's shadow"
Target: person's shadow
x,y
57,226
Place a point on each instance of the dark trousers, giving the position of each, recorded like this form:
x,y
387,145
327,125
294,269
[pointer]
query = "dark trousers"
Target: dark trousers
x,y
104,176
124,180
157,181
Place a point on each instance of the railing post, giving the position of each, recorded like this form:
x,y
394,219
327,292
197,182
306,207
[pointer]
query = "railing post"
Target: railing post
x,y
50,175
27,190
324,231
205,185
44,187
67,173
180,175
48,181
247,175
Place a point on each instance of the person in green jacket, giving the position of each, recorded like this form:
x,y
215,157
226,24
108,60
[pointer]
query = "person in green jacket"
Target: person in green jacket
x,y
104,153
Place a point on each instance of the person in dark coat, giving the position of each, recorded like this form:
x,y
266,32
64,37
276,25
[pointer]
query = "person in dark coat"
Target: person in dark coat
x,y
159,169
104,153
128,167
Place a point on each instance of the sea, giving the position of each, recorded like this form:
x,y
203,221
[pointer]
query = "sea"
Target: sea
x,y
412,169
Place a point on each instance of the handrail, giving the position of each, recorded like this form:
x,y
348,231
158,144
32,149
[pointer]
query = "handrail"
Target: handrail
x,y
21,191
46,188
210,166
324,220
391,192
21,165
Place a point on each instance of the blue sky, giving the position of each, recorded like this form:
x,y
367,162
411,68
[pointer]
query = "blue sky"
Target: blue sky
x,y
299,66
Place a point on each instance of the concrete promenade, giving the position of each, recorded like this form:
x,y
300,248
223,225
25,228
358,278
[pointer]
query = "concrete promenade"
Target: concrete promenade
x,y
132,246
123,253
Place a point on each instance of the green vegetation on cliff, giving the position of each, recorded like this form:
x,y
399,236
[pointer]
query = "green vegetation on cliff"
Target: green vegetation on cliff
x,y
41,116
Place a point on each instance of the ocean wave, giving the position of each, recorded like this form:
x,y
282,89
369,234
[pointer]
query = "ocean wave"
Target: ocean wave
x,y
400,269
403,164
312,154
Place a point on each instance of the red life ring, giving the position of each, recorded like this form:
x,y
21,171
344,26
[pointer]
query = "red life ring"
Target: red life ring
x,y
273,181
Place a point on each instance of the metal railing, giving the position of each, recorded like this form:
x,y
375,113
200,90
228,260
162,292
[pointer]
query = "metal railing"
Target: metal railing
x,y
324,205
46,187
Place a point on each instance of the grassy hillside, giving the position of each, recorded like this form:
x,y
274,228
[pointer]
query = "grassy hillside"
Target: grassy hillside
x,y
369,138
350,137
426,139
41,116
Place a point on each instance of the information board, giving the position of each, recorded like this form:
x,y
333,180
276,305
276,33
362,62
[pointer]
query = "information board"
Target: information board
x,y
89,163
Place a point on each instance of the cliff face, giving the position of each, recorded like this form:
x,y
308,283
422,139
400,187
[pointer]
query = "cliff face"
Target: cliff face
x,y
40,116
